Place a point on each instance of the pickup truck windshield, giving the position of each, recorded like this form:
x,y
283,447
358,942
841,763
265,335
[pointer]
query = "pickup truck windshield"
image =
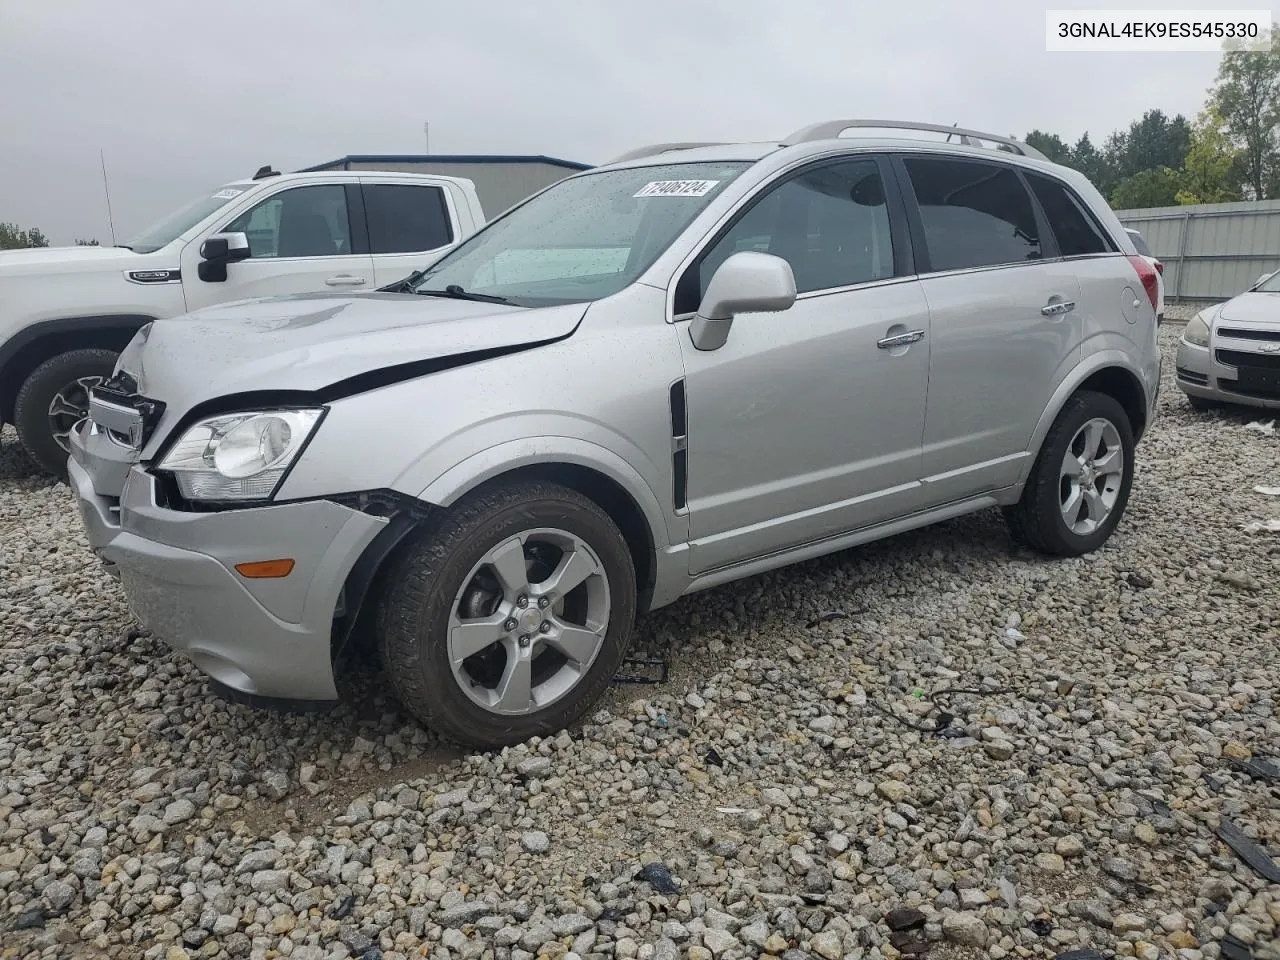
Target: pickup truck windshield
x,y
582,239
179,222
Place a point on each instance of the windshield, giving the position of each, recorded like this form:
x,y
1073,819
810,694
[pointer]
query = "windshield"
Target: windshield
x,y
584,238
176,224
1270,285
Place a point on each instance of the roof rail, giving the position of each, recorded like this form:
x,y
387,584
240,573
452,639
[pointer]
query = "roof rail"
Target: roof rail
x,y
831,129
655,148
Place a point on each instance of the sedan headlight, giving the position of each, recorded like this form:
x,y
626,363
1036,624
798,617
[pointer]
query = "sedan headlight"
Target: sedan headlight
x,y
1197,331
240,456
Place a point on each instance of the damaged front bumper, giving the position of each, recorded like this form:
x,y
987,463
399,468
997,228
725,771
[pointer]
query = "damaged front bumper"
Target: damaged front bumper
x,y
258,639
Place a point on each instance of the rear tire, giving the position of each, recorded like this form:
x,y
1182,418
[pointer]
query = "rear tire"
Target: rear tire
x,y
53,399
466,640
1072,500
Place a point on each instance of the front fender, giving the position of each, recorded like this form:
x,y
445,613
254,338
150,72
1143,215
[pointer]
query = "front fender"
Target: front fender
x,y
459,480
1094,362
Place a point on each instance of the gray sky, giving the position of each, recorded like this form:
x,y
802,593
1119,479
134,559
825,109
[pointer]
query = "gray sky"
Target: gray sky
x,y
183,96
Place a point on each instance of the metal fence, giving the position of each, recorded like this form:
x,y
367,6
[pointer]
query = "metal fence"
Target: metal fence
x,y
1210,251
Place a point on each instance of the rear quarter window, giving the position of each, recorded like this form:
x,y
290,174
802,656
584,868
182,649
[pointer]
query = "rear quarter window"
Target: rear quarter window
x,y
1075,229
1139,244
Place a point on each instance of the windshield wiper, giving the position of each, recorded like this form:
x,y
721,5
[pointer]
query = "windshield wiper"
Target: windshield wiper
x,y
404,285
124,246
455,292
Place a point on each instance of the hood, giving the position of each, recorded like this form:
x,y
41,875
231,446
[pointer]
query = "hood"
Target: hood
x,y
1252,308
314,343
48,256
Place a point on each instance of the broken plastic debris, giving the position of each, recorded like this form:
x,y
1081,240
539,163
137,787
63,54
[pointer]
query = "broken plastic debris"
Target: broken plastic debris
x,y
712,758
1267,491
33,919
1259,767
1260,526
731,810
659,877
1041,927
905,918
1013,633
826,618
648,666
1248,851
1261,427
1235,949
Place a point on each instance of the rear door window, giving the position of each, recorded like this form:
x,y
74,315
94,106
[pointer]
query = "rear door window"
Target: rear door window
x,y
1077,233
974,214
406,218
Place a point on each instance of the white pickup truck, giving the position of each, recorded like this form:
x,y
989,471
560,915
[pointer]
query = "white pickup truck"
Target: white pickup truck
x,y
66,312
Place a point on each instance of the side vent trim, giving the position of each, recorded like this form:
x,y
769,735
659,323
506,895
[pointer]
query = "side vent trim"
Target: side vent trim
x,y
679,446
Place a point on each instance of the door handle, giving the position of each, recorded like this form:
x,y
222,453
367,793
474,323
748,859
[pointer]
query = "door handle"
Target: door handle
x,y
345,280
1057,308
900,339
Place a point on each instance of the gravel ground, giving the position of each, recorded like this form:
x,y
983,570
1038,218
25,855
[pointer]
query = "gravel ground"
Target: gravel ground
x,y
782,794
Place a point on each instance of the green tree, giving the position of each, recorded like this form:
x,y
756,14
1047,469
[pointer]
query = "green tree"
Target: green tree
x,y
1150,188
1246,95
1051,145
1090,161
87,243
1213,169
1153,142
13,237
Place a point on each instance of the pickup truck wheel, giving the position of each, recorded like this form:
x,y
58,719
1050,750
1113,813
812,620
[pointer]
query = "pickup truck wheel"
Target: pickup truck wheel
x,y
510,616
1080,482
53,399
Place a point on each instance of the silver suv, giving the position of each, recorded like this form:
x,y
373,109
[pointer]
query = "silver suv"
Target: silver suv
x,y
691,365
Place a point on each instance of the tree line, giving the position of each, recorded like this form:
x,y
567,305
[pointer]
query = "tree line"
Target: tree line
x,y
13,237
1231,151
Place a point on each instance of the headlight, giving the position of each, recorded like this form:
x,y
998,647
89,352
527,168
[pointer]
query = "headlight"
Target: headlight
x,y
1197,331
240,456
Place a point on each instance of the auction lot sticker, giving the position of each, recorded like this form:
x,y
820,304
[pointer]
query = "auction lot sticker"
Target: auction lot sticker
x,y
676,188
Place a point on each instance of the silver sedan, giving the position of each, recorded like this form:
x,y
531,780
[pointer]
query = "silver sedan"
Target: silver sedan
x,y
1230,352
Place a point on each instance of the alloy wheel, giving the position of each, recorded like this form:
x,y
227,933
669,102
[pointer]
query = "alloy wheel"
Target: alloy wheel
x,y
529,621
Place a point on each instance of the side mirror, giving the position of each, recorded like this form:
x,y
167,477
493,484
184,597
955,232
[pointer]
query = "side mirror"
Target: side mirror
x,y
747,282
220,250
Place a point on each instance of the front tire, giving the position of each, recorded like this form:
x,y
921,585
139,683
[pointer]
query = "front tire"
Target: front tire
x,y
1080,483
54,398
508,618
1200,404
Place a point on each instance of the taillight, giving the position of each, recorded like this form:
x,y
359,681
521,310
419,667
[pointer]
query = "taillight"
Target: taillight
x,y
1149,278
1160,267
